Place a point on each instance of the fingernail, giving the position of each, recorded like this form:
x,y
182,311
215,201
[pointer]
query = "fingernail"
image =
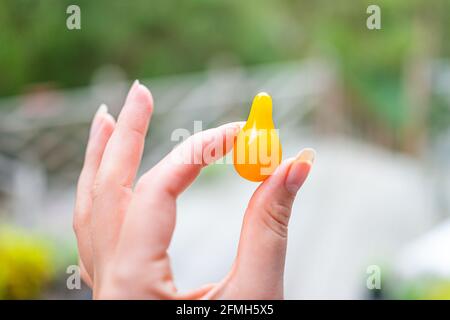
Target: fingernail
x,y
299,170
103,109
133,88
306,155
139,94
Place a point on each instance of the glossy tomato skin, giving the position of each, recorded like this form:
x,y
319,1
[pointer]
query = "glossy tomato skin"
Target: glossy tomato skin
x,y
257,148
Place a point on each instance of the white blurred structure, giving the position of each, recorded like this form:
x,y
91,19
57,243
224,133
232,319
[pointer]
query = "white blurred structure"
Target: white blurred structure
x,y
429,255
359,206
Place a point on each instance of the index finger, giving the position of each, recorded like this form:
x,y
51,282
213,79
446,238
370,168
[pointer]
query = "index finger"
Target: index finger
x,y
153,207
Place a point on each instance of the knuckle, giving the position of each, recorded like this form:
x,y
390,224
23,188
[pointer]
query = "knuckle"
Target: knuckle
x,y
134,133
98,189
138,132
276,217
79,223
75,226
122,274
80,218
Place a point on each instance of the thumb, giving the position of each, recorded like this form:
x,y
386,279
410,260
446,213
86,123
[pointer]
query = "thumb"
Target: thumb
x,y
261,255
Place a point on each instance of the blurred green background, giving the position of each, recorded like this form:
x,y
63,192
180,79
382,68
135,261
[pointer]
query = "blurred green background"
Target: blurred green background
x,y
153,38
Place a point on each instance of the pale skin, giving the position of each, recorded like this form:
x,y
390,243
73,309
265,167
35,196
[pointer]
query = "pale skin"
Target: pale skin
x,y
124,227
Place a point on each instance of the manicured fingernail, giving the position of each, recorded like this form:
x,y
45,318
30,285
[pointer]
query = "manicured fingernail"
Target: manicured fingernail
x,y
139,94
299,170
306,155
103,109
133,89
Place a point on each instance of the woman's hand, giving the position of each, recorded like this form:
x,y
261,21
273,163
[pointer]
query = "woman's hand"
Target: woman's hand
x,y
123,232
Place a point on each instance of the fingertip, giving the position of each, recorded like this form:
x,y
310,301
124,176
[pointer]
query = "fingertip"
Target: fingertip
x,y
103,121
299,171
96,121
136,112
109,119
140,94
280,172
144,95
307,155
103,109
291,173
274,185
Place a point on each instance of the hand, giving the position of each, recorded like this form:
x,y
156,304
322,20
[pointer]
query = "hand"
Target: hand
x,y
123,233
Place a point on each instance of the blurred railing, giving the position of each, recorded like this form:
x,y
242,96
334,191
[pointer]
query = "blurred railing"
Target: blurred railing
x,y
47,130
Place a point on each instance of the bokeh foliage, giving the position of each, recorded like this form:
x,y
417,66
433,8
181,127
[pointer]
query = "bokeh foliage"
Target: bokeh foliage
x,y
26,264
152,38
